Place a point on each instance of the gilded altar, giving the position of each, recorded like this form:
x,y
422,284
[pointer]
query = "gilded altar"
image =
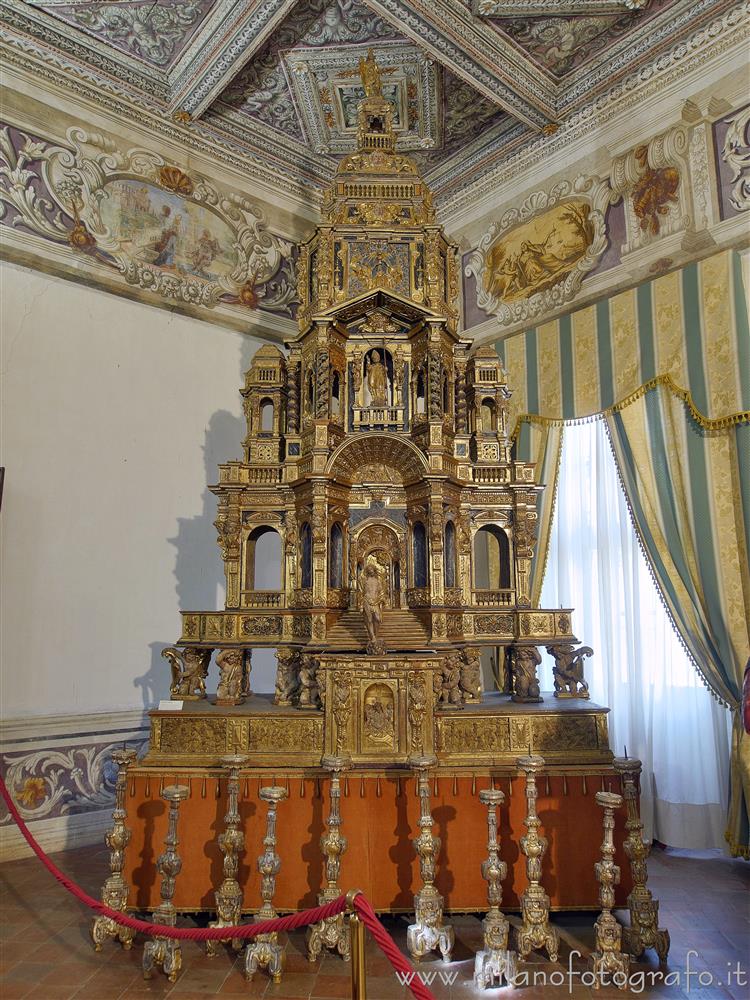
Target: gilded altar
x,y
377,456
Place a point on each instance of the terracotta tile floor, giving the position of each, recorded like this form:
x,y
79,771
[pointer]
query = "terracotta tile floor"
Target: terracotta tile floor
x,y
47,954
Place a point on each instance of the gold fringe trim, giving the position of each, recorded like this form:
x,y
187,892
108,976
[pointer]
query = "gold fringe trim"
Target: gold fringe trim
x,y
708,424
737,850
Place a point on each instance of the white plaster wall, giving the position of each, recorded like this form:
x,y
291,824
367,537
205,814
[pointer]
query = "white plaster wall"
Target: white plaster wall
x,y
114,418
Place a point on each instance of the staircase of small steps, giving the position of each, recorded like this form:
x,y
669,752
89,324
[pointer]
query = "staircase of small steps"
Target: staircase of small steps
x,y
400,629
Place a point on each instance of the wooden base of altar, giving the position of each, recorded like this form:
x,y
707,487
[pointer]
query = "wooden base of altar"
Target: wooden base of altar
x,y
379,806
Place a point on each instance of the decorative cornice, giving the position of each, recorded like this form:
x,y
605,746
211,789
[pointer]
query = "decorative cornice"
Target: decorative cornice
x,y
554,8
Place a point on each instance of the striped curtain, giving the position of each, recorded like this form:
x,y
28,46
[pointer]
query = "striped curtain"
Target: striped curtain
x,y
668,365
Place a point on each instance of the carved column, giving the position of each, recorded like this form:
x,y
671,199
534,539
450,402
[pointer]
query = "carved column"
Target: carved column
x,y
332,933
495,961
162,951
115,890
462,404
264,950
228,525
608,959
644,931
232,844
536,930
428,931
292,412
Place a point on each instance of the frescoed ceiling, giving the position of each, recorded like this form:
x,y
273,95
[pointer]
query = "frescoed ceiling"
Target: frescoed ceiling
x,y
274,82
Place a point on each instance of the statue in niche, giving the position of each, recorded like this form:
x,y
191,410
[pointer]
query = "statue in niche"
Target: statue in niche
x,y
231,664
373,590
377,380
369,72
526,683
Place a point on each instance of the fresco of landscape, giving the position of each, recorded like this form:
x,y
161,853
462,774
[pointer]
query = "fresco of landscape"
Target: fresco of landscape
x,y
163,230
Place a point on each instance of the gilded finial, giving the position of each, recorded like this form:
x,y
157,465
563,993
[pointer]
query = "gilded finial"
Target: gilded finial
x,y
369,71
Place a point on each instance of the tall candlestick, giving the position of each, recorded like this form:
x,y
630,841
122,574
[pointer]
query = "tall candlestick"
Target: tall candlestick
x,y
607,956
332,933
163,951
644,931
536,930
428,931
495,961
115,890
232,844
264,950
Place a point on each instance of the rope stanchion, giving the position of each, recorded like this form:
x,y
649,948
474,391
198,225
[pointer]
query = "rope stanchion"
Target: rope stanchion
x,y
355,901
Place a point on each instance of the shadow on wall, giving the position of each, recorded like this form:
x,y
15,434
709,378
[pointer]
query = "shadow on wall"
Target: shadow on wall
x,y
198,569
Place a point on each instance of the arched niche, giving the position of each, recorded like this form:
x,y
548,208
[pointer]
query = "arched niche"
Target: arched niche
x,y
377,378
336,557
266,416
335,394
263,568
492,569
419,554
446,394
489,415
420,394
449,554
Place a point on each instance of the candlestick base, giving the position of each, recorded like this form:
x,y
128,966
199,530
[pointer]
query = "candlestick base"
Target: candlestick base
x,y
332,933
496,960
164,953
644,931
228,914
608,961
264,952
428,931
536,932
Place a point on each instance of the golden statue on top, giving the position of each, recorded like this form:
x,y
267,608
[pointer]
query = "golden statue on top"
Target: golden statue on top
x,y
369,71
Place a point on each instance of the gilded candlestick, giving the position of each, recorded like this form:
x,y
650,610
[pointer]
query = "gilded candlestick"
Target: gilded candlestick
x,y
608,959
163,951
428,931
332,933
644,931
495,961
232,844
264,950
536,930
115,890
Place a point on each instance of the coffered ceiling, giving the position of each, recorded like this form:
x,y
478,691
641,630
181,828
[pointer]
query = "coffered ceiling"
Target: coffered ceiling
x,y
276,81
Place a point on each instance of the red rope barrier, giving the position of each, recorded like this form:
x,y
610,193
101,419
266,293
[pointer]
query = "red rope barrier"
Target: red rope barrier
x,y
287,923
313,916
388,946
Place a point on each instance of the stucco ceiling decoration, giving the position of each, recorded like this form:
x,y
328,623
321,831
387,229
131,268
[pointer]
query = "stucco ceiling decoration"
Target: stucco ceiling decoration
x,y
273,80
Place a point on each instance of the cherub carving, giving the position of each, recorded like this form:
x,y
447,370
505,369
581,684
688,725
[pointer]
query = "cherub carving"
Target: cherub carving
x,y
309,694
231,670
526,683
287,676
189,671
471,674
568,670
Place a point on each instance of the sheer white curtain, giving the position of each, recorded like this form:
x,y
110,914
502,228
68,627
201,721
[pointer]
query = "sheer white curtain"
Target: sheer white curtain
x,y
660,709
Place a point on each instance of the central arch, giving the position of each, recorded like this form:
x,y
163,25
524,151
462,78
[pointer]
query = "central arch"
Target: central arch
x,y
376,457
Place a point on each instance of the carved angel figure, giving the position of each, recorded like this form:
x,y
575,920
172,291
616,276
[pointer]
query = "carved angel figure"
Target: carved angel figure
x,y
309,695
287,676
449,692
189,671
231,669
526,683
471,674
369,71
568,670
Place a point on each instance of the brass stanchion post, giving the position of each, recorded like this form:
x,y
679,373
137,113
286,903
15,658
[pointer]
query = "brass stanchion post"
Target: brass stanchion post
x,y
357,939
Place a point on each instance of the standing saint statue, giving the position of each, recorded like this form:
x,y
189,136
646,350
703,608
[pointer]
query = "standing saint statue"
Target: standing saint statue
x,y
373,602
377,380
369,71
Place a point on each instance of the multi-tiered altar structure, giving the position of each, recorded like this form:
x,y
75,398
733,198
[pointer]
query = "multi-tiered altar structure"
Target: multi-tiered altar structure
x,y
377,452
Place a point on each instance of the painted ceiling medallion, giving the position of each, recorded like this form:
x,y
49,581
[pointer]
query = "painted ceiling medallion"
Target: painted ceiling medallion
x,y
327,90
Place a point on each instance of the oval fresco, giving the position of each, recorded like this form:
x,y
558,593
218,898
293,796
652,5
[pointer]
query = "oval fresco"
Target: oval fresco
x,y
164,230
539,253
